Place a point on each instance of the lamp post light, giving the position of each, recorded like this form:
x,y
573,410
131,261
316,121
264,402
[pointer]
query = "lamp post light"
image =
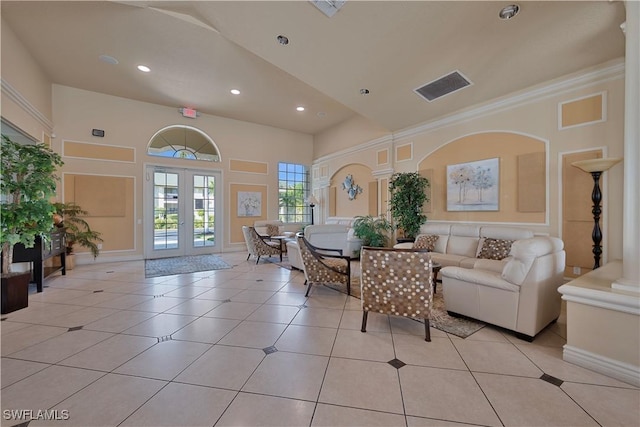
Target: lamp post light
x,y
595,167
312,204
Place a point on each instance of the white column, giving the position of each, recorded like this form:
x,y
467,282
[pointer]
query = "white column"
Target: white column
x,y
630,279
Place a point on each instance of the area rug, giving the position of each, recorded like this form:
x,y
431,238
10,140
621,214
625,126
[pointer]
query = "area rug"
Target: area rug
x,y
184,264
440,319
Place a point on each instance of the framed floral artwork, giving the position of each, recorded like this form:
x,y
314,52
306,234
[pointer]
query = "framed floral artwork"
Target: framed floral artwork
x,y
474,186
249,203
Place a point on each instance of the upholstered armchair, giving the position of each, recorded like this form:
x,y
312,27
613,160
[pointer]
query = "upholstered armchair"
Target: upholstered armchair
x,y
257,246
398,282
323,265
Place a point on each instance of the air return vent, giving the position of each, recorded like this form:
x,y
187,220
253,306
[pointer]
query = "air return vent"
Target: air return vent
x,y
328,7
443,86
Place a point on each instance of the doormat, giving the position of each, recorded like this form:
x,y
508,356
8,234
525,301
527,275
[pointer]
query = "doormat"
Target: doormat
x,y
440,319
183,264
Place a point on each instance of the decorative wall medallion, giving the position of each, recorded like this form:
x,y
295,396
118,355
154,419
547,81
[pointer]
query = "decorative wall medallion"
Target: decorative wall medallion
x,y
352,189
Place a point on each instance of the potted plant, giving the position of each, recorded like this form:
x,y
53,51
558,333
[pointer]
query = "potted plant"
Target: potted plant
x,y
28,181
76,230
407,197
374,231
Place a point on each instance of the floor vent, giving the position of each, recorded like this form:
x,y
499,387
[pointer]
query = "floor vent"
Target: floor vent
x,y
443,86
552,380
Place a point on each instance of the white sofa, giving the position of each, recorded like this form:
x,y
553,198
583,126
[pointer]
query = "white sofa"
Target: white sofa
x,y
459,244
518,292
338,234
261,227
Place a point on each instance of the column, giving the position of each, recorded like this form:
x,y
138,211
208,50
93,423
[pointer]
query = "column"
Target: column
x,y
630,280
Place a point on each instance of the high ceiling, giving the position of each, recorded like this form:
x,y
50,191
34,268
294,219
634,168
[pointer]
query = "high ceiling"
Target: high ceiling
x,y
199,50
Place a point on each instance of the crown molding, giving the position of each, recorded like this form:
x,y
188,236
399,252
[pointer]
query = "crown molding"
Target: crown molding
x,y
14,95
610,72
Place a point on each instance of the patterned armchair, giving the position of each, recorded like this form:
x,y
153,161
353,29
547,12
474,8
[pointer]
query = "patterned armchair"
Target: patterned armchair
x,y
258,246
323,265
398,282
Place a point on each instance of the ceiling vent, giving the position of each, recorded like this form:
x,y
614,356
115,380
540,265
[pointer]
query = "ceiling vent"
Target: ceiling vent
x,y
443,86
328,7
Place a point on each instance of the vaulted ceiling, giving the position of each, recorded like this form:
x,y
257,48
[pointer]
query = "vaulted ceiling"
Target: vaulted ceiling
x,y
199,50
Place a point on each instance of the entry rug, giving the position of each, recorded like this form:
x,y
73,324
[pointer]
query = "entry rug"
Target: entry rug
x,y
183,264
440,319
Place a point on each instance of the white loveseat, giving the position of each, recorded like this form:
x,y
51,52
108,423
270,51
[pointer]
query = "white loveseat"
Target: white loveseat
x,y
338,234
262,227
518,292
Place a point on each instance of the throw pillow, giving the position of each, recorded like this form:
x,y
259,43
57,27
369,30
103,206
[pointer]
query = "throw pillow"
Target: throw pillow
x,y
495,249
273,230
426,241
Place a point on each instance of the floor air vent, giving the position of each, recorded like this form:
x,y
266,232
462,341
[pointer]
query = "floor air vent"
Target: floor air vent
x,y
443,86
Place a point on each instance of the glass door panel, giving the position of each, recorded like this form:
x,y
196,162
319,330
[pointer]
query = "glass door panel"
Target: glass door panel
x,y
166,210
203,210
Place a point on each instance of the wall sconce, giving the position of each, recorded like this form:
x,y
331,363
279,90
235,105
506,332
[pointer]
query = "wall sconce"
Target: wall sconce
x,y
312,201
595,167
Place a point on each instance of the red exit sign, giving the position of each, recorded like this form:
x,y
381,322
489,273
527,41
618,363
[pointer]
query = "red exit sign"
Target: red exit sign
x,y
189,112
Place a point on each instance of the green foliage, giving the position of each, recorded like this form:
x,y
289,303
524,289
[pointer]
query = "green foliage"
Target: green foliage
x,y
28,182
76,230
291,202
372,231
407,197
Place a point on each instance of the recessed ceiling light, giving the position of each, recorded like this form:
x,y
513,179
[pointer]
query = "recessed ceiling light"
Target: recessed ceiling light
x,y
300,108
144,68
364,91
509,12
108,59
283,40
235,91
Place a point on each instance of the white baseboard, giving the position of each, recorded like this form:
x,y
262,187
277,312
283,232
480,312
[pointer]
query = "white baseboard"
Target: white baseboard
x,y
604,365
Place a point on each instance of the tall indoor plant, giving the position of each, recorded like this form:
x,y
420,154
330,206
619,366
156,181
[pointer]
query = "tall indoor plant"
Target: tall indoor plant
x,y
407,197
28,182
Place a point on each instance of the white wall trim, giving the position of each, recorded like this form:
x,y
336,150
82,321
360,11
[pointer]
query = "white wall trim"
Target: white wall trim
x,y
604,365
14,95
609,300
135,152
135,208
612,71
607,73
603,101
387,139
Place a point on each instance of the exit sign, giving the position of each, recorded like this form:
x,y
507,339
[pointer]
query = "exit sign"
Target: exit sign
x,y
189,112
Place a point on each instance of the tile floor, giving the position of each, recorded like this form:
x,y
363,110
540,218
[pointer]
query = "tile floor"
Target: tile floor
x,y
103,346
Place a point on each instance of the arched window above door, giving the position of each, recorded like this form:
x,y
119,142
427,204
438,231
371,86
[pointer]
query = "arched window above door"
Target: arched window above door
x,y
183,142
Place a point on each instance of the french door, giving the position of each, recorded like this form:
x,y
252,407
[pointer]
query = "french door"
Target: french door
x,y
182,212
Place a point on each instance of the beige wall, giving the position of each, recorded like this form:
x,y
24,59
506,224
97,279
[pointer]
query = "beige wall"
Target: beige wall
x,y
353,131
535,116
506,147
131,124
25,76
360,205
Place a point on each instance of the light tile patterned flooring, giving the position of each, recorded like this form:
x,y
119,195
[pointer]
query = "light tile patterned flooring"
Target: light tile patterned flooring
x,y
244,347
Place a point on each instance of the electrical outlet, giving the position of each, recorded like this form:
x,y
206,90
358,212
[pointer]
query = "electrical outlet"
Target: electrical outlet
x,y
577,271
100,247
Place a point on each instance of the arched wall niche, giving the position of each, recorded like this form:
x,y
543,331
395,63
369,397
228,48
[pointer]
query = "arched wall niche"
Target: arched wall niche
x,y
183,142
523,177
364,203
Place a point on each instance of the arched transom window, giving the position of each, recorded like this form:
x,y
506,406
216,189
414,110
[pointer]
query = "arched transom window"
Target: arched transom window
x,y
183,142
